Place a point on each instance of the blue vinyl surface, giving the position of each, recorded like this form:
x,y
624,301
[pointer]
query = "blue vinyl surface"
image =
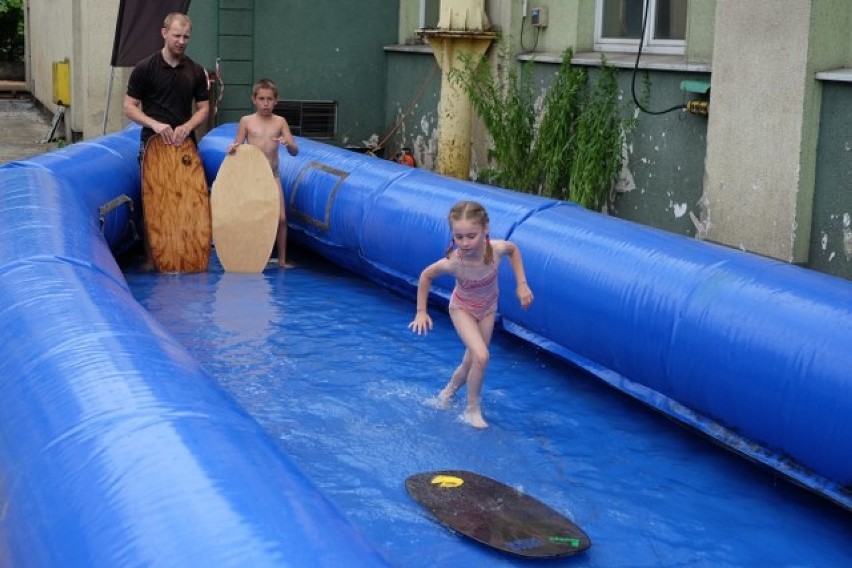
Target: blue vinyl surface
x,y
323,360
751,351
271,420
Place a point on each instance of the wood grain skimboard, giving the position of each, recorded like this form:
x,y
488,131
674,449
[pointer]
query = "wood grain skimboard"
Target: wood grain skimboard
x,y
176,206
245,204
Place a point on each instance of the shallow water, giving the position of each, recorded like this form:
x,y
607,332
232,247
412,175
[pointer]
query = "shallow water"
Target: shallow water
x,y
323,360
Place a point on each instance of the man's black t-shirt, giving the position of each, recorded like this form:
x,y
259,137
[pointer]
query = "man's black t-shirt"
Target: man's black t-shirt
x,y
167,93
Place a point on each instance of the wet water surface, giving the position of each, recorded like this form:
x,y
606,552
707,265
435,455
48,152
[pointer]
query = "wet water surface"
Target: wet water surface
x,y
323,360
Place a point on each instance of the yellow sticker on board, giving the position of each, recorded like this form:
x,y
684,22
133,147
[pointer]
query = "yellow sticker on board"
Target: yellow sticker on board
x,y
447,481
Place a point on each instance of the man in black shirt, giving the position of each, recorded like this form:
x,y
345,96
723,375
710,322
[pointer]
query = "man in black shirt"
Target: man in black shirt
x,y
163,87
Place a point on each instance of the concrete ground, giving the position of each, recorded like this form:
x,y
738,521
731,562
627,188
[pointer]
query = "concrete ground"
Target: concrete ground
x,y
24,124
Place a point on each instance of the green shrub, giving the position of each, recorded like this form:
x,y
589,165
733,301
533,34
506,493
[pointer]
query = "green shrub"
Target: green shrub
x,y
573,152
11,30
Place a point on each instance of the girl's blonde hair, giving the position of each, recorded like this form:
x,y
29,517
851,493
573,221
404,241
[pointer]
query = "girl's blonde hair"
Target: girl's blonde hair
x,y
471,211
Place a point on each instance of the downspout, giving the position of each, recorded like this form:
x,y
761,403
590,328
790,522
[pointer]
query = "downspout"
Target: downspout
x,y
462,30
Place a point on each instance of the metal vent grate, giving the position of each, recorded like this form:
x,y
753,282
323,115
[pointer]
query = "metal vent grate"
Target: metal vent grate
x,y
311,119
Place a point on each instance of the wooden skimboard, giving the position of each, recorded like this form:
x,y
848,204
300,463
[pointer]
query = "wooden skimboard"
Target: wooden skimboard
x,y
245,204
176,206
496,515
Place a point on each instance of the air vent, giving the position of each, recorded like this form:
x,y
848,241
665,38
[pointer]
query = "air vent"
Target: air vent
x,y
311,119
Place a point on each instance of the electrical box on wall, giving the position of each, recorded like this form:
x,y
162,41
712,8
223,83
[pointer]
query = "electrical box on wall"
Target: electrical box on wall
x,y
62,82
538,17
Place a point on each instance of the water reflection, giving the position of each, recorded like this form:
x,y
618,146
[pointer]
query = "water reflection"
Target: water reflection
x,y
243,309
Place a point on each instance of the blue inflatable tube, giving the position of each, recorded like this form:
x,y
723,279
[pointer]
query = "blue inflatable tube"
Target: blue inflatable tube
x,y
750,351
116,448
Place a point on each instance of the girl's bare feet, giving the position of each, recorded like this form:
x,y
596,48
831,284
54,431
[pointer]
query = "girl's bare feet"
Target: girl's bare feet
x,y
473,416
445,396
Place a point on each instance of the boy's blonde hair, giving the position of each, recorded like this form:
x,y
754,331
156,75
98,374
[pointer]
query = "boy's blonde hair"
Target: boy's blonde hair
x,y
265,84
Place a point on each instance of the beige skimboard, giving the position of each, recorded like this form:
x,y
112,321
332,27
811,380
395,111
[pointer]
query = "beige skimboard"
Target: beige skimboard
x,y
176,206
245,203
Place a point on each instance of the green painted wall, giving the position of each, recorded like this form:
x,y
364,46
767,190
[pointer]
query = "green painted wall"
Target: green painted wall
x,y
701,22
329,50
666,155
313,50
831,228
666,152
202,46
570,23
663,177
413,92
409,21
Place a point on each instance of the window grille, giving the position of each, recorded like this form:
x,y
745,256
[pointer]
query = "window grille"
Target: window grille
x,y
311,119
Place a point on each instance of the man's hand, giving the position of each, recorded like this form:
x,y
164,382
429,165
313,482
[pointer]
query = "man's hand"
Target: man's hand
x,y
165,131
181,134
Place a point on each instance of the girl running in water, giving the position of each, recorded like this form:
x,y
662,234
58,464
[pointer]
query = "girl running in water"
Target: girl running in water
x,y
472,259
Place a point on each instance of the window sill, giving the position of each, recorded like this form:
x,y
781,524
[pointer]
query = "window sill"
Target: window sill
x,y
593,59
621,60
843,75
410,48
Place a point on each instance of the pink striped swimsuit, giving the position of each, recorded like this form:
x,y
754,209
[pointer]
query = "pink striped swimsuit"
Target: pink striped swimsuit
x,y
477,297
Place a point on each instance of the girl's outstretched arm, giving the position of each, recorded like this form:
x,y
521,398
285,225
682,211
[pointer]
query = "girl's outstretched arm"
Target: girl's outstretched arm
x,y
522,290
422,323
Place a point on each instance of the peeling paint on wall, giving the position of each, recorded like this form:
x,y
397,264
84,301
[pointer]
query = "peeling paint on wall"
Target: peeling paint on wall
x,y
625,181
425,147
702,222
847,236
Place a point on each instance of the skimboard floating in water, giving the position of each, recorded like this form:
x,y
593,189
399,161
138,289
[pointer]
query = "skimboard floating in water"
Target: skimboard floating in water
x,y
495,514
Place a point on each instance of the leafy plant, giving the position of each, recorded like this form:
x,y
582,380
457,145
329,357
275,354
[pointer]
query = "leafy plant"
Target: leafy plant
x,y
504,101
573,152
11,30
600,133
555,144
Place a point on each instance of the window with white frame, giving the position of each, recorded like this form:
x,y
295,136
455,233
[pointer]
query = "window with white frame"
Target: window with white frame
x,y
618,25
429,13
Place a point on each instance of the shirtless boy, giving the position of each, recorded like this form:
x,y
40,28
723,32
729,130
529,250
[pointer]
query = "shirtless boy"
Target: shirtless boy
x,y
267,130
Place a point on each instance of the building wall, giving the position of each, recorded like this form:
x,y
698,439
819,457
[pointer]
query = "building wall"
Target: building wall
x,y
566,24
664,170
48,40
92,66
205,30
663,174
409,21
831,236
313,50
356,54
411,113
700,29
83,32
759,187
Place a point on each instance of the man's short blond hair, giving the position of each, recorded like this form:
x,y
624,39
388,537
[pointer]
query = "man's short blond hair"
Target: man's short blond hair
x,y
176,17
